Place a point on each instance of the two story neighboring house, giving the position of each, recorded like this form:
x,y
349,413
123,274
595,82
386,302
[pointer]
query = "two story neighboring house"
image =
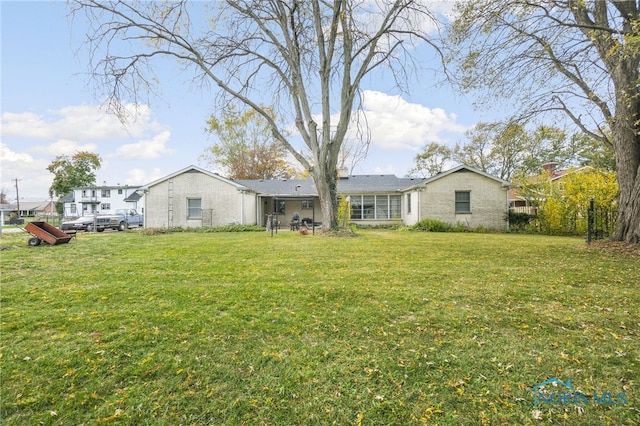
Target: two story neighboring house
x,y
101,199
194,197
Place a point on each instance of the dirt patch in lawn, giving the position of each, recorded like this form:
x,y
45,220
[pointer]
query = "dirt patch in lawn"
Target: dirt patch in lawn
x,y
617,247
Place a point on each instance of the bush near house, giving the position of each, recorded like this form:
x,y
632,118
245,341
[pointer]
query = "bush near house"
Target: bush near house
x,y
562,204
519,221
433,225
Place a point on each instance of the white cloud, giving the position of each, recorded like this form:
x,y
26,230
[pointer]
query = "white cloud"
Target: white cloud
x,y
25,124
79,122
34,139
372,12
400,125
141,177
9,156
396,124
31,174
146,149
389,169
63,147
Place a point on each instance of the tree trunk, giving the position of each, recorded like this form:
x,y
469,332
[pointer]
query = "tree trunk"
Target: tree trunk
x,y
626,145
326,184
628,222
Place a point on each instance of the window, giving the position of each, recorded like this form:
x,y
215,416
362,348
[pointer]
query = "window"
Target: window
x,y
280,208
409,203
106,193
395,210
368,206
307,204
356,207
73,208
194,208
105,206
380,207
119,191
463,202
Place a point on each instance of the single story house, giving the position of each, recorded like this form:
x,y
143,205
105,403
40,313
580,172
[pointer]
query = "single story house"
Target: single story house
x,y
36,209
195,197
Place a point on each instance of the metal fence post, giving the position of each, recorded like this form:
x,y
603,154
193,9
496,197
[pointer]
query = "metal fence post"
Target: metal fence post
x,y
590,220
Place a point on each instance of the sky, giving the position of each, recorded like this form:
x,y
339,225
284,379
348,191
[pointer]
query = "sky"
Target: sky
x,y
48,109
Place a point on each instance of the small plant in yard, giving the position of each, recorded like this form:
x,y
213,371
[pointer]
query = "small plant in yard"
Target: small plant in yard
x,y
433,225
395,328
519,221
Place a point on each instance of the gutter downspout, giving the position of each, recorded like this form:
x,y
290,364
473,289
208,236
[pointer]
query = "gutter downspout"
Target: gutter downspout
x,y
506,190
420,204
241,207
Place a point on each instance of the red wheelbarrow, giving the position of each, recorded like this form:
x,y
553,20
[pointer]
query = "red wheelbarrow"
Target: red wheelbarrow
x,y
42,231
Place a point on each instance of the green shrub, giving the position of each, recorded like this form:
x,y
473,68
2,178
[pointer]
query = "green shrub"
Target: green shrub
x,y
435,225
233,228
519,221
204,230
390,226
154,231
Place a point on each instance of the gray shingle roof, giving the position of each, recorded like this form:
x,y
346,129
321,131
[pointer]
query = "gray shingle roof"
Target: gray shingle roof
x,y
135,196
282,187
375,183
349,185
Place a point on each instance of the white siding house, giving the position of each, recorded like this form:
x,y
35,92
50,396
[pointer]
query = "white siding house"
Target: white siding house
x,y
91,200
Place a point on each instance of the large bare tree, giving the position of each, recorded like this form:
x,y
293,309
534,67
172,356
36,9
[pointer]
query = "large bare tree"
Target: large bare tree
x,y
308,57
579,58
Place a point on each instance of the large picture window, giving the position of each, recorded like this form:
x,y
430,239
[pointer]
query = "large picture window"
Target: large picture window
x,y
194,208
463,202
375,207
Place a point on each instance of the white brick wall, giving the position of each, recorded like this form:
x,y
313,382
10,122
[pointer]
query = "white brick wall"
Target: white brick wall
x,y
221,200
488,200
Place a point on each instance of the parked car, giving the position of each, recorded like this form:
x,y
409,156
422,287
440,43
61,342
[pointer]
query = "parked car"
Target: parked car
x,y
80,224
121,220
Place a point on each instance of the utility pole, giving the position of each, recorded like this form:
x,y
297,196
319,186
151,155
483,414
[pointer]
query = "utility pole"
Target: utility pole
x,y
18,196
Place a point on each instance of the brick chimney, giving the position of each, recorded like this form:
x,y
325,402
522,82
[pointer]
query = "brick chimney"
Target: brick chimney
x,y
550,167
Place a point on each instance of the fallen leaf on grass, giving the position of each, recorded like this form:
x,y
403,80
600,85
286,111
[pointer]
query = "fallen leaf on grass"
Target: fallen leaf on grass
x,y
115,415
428,413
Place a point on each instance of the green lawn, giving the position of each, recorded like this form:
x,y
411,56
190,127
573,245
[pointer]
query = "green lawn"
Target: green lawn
x,y
390,328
